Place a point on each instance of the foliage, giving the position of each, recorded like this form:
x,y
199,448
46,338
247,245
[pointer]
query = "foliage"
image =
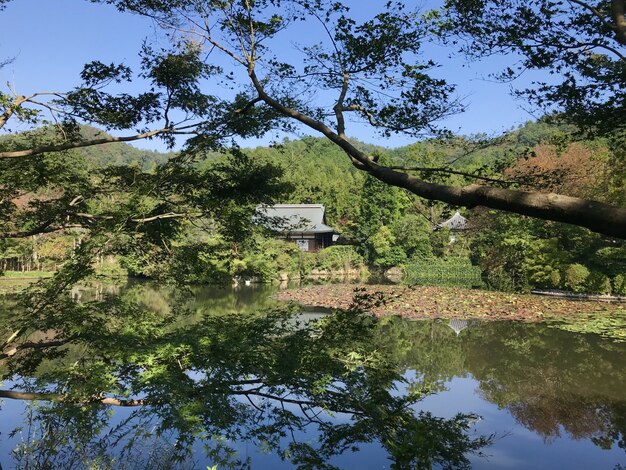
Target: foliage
x,y
499,279
382,249
544,261
380,207
318,173
183,372
412,234
598,283
575,277
443,271
519,253
339,258
619,284
581,42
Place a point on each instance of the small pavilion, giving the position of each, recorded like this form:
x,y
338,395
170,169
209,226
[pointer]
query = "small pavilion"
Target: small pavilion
x,y
457,223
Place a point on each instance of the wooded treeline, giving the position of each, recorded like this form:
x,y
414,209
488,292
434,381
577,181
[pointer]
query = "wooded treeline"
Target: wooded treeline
x,y
189,217
380,226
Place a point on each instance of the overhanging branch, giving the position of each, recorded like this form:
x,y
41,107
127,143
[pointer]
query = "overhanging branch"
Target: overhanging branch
x,y
452,172
596,216
85,143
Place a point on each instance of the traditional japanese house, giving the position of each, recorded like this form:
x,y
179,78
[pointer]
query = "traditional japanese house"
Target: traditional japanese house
x,y
303,224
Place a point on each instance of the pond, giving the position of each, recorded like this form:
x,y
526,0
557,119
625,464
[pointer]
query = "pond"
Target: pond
x,y
161,378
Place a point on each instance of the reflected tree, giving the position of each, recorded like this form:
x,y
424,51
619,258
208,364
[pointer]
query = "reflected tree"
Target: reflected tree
x,y
551,381
304,392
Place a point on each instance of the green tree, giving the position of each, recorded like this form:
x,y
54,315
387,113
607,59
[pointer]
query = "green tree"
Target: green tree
x,y
380,206
412,234
581,42
376,68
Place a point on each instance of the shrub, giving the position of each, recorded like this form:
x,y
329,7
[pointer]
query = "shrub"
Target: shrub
x,y
499,279
447,271
575,277
598,283
339,257
619,284
555,279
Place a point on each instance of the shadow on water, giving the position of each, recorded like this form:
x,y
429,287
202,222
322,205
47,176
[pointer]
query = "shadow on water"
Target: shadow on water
x,y
151,377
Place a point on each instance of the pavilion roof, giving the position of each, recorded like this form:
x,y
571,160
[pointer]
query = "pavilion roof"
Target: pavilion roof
x,y
456,222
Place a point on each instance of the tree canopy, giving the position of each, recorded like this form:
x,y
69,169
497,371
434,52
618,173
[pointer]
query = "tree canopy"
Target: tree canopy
x,y
374,70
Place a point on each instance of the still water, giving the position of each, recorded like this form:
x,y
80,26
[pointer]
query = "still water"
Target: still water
x,y
226,377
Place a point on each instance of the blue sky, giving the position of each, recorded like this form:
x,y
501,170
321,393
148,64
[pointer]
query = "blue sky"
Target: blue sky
x,y
50,41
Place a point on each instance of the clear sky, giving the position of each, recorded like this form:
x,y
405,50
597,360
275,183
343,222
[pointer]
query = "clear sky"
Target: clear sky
x,y
50,41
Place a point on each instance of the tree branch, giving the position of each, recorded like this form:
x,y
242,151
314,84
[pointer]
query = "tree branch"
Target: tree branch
x,y
41,229
144,220
452,172
596,216
34,345
17,102
57,397
338,108
85,143
618,8
593,10
248,105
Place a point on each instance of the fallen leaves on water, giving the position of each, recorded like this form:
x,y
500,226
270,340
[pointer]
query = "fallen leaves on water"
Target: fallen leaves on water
x,y
448,302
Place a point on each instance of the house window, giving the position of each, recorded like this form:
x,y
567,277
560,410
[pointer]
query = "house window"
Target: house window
x,y
303,244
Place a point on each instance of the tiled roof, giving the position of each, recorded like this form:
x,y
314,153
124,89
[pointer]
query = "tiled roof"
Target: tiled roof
x,y
294,218
456,222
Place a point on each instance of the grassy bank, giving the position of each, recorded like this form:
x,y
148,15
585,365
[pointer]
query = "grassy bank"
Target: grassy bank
x,y
25,274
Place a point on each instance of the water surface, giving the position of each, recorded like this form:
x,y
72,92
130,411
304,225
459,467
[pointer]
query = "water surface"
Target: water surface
x,y
225,377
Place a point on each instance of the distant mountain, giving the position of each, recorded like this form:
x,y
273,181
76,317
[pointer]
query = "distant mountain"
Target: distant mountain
x,y
98,156
119,153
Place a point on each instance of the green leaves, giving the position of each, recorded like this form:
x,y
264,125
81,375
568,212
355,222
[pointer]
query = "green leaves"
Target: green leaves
x,y
576,43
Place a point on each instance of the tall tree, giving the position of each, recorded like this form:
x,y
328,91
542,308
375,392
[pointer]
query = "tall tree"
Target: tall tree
x,y
374,70
371,70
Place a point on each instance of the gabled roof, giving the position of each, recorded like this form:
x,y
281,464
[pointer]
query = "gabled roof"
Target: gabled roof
x,y
459,325
294,218
456,222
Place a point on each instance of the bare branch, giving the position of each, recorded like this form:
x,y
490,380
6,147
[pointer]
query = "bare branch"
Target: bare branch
x,y
252,56
338,108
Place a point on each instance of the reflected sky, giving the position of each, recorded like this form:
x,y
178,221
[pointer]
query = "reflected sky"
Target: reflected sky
x,y
550,398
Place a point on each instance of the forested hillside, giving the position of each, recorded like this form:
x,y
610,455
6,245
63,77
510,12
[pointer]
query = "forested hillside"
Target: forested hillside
x,y
97,156
382,226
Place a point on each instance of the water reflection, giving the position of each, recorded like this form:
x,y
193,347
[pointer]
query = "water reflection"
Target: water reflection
x,y
227,377
194,381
